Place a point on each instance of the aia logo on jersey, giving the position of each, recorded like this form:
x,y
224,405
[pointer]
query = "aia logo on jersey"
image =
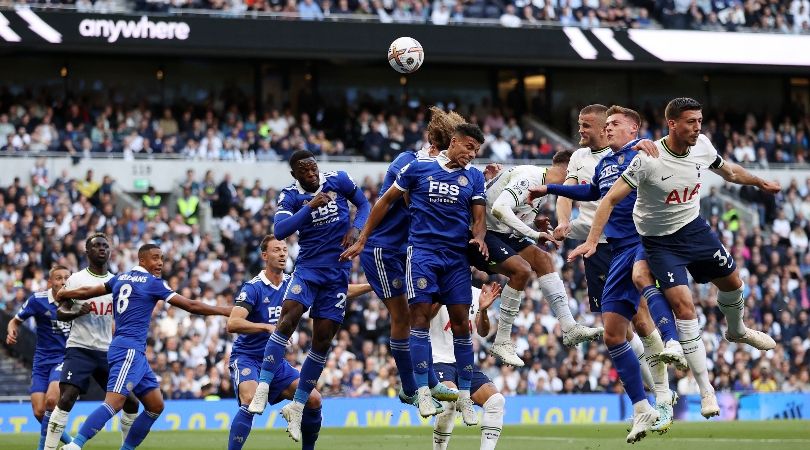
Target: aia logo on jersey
x,y
677,197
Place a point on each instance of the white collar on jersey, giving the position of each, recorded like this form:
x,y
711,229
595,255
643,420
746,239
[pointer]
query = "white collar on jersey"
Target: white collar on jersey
x,y
139,269
443,160
321,181
51,300
267,281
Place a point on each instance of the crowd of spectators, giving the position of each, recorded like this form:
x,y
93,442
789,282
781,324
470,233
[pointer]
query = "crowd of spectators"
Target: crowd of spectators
x,y
772,16
44,220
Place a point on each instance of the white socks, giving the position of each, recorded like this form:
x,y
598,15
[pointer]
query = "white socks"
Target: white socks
x,y
638,349
653,345
510,306
695,351
492,422
554,291
731,304
127,419
443,428
56,426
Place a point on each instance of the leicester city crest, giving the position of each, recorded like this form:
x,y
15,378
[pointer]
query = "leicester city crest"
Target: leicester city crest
x,y
421,283
245,371
462,180
296,289
397,283
621,159
332,194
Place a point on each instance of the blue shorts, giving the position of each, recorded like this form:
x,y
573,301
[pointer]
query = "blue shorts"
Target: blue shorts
x,y
695,248
322,290
43,375
247,368
620,295
385,271
596,271
442,271
447,372
80,364
130,372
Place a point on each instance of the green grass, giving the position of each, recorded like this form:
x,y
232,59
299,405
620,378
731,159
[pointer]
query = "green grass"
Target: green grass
x,y
781,435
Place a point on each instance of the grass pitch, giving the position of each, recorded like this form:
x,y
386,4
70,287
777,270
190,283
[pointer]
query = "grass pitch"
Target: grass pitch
x,y
781,435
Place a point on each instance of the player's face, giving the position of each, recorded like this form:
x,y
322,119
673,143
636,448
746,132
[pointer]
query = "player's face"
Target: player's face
x,y
687,127
98,251
462,150
152,261
306,172
591,130
276,255
58,279
620,130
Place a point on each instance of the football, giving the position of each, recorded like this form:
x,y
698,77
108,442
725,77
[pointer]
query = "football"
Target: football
x,y
406,55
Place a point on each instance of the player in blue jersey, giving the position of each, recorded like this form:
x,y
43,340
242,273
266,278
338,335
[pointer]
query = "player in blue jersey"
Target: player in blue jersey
x,y
51,338
256,311
621,302
317,206
383,260
447,195
135,294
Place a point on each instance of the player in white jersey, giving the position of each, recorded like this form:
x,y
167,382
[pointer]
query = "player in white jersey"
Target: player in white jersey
x,y
484,393
677,240
89,340
512,234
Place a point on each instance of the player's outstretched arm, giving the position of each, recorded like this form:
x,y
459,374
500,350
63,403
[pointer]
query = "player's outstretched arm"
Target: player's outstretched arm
x,y
579,192
734,173
359,200
503,210
564,207
11,330
82,293
489,292
238,323
617,193
356,290
198,307
376,216
647,146
65,313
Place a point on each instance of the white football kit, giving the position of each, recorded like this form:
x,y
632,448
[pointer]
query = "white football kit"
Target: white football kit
x,y
581,169
92,331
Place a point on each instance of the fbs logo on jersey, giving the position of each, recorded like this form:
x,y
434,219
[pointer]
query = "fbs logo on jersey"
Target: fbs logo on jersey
x,y
676,198
441,192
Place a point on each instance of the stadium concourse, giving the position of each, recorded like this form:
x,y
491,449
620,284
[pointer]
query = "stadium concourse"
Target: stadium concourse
x,y
45,219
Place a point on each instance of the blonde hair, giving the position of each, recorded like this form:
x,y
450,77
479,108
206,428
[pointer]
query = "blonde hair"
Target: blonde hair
x,y
442,126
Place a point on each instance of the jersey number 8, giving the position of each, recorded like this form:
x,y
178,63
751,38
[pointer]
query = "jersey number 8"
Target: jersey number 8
x,y
123,298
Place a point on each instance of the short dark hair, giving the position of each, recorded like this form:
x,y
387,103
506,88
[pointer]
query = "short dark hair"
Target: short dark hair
x,y
677,106
146,248
596,108
298,155
627,112
470,130
562,157
55,268
266,241
93,236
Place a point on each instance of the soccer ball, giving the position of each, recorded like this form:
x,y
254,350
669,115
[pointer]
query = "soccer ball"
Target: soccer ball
x,y
406,55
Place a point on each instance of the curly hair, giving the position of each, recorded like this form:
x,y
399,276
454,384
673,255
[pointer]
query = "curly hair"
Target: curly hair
x,y
442,126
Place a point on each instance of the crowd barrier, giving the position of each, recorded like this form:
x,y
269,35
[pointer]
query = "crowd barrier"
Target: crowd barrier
x,y
389,412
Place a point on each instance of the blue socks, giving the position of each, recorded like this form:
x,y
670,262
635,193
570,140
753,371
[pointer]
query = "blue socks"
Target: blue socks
x,y
401,351
240,428
310,427
140,428
420,355
273,354
629,370
463,350
310,372
661,313
432,380
95,422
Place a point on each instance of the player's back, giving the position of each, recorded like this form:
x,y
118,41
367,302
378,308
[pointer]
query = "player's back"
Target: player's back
x,y
669,186
392,232
441,336
135,294
51,333
516,181
92,331
581,169
441,202
608,170
263,301
320,239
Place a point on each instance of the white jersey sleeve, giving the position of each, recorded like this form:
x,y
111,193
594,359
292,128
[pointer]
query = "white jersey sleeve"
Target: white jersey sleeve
x,y
510,211
581,169
441,335
92,331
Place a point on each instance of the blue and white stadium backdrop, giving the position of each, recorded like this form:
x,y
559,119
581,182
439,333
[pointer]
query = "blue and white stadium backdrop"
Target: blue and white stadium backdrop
x,y
387,412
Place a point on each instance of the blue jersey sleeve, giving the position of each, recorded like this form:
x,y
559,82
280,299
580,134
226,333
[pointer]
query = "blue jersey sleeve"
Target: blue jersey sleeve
x,y
247,297
108,285
28,309
579,192
406,178
287,221
159,290
479,195
354,194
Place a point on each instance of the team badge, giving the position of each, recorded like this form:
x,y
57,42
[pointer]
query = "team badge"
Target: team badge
x,y
430,178
621,159
524,184
332,194
462,181
246,371
397,283
242,296
296,289
421,283
130,385
48,313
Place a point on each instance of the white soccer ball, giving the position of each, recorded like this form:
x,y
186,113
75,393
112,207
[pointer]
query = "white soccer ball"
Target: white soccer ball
x,y
406,55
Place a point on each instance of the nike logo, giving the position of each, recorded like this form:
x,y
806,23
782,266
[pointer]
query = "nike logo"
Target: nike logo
x,y
580,168
666,178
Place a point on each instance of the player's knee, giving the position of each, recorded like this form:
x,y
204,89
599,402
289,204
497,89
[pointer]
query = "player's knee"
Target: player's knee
x,y
39,411
642,278
520,273
67,398
613,338
495,404
50,402
314,400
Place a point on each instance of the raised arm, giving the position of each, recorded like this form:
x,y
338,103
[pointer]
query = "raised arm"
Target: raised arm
x,y
579,192
564,207
376,216
489,292
617,193
82,293
286,223
734,173
503,210
65,311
